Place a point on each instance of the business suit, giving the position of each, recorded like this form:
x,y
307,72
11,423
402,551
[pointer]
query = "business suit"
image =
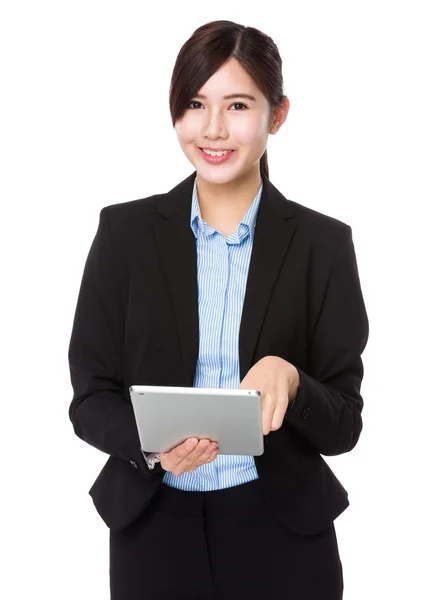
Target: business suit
x,y
137,312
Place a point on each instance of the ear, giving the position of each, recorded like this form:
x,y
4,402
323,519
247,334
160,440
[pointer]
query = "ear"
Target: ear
x,y
279,115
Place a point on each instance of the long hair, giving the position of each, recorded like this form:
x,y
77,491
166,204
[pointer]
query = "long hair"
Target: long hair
x,y
210,47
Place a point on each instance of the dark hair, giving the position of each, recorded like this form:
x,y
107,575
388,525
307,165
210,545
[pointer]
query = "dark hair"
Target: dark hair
x,y
211,46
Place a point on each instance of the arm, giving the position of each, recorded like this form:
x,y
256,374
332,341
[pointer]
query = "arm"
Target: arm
x,y
328,404
101,411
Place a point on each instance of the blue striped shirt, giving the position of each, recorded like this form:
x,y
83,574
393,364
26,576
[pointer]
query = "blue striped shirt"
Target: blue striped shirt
x,y
222,270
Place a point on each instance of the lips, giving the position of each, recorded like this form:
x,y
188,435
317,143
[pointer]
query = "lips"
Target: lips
x,y
215,149
216,159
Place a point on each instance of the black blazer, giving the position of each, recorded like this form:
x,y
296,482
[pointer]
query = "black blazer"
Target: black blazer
x,y
136,322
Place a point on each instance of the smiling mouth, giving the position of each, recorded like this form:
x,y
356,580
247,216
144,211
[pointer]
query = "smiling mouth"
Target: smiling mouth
x,y
216,159
226,150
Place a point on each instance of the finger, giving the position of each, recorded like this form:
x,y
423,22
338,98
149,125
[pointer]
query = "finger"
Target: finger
x,y
186,455
268,408
278,416
200,455
184,449
210,451
208,456
196,455
172,458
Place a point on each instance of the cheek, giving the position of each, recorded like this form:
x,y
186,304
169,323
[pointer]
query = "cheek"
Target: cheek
x,y
185,131
253,144
251,134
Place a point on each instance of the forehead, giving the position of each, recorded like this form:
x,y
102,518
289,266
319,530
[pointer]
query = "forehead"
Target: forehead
x,y
229,79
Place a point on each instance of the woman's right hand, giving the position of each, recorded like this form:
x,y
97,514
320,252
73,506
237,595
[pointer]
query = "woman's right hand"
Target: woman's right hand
x,y
186,457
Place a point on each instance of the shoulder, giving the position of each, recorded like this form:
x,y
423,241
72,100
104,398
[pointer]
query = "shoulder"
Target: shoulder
x,y
128,212
313,221
321,234
311,224
318,235
127,220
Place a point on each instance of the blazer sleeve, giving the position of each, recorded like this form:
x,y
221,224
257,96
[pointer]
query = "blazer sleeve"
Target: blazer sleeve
x,y
100,411
328,405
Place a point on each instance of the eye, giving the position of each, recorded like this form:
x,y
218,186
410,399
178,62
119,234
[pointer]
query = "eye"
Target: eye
x,y
235,103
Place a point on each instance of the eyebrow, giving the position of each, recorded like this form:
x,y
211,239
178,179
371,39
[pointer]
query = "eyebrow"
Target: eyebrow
x,y
248,96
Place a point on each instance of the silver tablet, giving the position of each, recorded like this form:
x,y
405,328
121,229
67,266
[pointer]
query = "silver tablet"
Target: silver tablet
x,y
167,416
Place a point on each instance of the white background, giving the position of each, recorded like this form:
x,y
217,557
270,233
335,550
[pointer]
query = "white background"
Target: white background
x,y
84,124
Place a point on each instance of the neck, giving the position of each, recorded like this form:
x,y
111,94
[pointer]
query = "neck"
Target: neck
x,y
228,201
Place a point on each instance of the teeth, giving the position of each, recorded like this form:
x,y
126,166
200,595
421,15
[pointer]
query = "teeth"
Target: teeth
x,y
211,153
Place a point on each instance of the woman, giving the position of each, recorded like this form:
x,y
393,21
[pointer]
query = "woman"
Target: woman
x,y
222,282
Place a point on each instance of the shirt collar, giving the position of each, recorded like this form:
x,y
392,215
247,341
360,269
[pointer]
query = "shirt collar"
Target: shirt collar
x,y
247,223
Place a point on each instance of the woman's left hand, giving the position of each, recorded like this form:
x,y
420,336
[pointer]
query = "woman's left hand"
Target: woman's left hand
x,y
277,380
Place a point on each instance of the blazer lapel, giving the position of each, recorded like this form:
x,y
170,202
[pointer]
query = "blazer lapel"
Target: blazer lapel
x,y
177,247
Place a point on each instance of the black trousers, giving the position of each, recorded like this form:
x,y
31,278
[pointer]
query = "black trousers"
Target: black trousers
x,y
221,545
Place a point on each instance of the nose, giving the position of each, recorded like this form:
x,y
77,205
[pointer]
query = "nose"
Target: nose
x,y
214,126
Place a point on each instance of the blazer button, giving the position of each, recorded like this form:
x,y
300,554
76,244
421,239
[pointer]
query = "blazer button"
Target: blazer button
x,y
133,463
305,412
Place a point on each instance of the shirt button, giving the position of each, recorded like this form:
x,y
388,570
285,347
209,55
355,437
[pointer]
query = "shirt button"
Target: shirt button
x,y
305,412
133,463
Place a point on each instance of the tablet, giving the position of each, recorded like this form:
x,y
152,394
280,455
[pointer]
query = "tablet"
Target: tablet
x,y
167,416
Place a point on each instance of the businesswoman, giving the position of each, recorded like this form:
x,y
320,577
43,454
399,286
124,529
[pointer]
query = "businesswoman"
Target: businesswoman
x,y
222,282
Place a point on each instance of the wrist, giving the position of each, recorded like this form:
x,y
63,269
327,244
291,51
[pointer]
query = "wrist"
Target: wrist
x,y
294,384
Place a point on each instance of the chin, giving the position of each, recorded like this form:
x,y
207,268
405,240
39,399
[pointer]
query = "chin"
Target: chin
x,y
218,178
